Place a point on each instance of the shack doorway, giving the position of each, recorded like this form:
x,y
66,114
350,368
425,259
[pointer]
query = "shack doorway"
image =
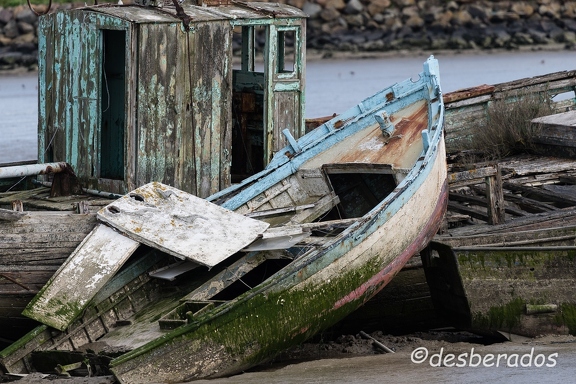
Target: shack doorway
x,y
267,94
248,102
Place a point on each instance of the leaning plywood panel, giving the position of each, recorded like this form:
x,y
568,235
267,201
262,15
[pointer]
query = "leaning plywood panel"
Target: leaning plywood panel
x,y
181,224
83,274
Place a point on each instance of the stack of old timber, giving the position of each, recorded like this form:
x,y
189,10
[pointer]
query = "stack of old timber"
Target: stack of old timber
x,y
515,266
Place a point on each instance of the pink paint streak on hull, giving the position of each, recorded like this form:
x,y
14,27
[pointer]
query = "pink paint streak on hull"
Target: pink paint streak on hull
x,y
382,278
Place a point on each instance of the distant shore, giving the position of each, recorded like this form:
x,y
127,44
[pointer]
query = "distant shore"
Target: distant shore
x,y
373,28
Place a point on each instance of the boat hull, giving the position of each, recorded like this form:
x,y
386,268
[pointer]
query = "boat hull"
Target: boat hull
x,y
313,295
366,191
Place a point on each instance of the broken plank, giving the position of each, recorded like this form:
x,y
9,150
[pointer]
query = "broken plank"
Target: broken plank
x,y
181,224
226,278
281,241
278,211
9,215
563,201
170,272
474,176
472,212
481,201
84,273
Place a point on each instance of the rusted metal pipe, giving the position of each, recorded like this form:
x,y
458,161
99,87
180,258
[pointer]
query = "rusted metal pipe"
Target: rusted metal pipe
x,y
32,169
94,192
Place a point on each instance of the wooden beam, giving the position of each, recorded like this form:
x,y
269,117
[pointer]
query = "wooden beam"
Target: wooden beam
x,y
495,198
563,200
473,176
9,215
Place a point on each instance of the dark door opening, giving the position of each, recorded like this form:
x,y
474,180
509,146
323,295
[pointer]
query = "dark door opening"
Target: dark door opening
x,y
112,102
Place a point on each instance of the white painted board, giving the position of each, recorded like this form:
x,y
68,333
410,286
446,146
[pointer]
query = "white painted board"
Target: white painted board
x,y
89,267
181,224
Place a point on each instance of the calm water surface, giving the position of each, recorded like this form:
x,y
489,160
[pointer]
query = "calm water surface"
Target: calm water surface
x,y
332,86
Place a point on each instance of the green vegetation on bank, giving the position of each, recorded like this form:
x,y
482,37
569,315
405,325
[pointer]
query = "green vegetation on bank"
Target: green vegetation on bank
x,y
508,129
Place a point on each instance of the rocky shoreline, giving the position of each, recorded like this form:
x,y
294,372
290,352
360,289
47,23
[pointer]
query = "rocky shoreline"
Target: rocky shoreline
x,y
374,27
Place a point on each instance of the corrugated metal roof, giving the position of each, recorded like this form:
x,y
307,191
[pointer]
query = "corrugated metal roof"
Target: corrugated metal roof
x,y
167,14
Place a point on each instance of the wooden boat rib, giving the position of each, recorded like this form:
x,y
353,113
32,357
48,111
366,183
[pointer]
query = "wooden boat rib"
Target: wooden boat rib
x,y
367,189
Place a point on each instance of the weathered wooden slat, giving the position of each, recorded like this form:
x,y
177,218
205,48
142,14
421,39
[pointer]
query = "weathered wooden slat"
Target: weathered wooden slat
x,y
91,265
321,207
495,198
278,211
563,200
9,215
529,205
458,179
8,198
472,212
272,240
483,202
329,225
566,119
170,272
561,217
55,239
38,222
467,93
226,277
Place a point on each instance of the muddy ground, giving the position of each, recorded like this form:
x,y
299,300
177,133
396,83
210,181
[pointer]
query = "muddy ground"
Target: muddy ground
x,y
344,350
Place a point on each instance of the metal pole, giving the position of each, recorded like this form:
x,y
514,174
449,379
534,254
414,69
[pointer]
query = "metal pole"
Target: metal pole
x,y
31,170
94,192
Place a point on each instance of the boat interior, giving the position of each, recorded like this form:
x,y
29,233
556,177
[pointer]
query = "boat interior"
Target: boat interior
x,y
305,211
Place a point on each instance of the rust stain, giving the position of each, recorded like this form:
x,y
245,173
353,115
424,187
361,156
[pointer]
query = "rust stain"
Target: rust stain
x,y
408,131
468,92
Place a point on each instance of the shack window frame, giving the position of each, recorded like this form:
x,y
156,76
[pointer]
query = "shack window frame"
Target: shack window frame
x,y
281,72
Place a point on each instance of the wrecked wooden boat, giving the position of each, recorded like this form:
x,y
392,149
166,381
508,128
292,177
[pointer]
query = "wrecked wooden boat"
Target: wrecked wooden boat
x,y
195,97
326,225
466,109
514,275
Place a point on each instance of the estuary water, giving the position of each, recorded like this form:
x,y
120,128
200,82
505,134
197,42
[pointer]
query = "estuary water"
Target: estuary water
x,y
332,86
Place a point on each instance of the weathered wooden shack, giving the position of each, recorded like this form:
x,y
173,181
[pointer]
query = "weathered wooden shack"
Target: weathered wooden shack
x,y
131,94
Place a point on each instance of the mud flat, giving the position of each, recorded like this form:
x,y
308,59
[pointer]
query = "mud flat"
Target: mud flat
x,y
443,356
